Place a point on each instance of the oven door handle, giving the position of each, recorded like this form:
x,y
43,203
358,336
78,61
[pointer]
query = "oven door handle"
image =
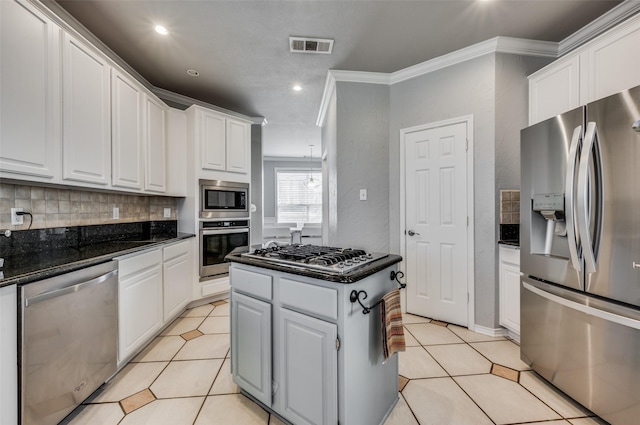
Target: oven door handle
x,y
209,232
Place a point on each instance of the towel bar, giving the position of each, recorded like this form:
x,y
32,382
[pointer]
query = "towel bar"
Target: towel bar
x,y
355,295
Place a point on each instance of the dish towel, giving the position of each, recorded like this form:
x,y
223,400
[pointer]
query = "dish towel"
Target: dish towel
x,y
392,329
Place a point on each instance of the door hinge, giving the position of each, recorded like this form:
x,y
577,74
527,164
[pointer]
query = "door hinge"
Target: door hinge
x,y
466,145
337,343
467,298
467,221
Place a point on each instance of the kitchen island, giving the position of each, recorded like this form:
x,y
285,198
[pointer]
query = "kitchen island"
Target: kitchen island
x,y
304,349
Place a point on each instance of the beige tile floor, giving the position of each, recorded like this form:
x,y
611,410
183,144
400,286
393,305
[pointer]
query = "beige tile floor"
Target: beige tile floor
x,y
449,376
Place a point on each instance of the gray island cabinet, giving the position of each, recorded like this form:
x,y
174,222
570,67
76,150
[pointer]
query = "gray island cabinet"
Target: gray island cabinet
x,y
301,348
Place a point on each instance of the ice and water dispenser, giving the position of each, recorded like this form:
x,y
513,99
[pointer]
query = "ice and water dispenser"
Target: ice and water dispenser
x,y
547,221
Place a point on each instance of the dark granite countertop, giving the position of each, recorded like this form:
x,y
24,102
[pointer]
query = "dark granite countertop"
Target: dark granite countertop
x,y
515,244
21,266
350,277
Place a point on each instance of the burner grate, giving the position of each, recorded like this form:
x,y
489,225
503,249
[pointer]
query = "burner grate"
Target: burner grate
x,y
328,259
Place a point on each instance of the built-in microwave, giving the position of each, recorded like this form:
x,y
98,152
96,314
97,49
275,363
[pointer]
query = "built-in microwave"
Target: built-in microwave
x,y
221,199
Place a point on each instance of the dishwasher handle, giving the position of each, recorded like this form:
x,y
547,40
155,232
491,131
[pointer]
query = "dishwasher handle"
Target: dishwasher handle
x,y
69,289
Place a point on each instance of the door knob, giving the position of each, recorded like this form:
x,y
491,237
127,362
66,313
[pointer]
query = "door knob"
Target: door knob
x,y
412,233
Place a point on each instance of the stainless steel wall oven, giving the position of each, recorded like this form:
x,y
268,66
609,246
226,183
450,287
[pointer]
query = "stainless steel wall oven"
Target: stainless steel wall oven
x,y
218,238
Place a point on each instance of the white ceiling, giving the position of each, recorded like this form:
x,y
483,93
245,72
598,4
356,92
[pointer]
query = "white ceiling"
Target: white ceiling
x,y
242,53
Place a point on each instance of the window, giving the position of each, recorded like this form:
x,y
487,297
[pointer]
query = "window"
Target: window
x,y
297,201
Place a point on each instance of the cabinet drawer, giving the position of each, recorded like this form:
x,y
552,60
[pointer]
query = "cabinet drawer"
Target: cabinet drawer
x,y
252,283
176,250
138,262
306,298
510,255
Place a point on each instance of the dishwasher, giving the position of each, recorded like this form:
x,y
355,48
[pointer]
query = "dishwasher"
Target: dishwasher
x,y
67,341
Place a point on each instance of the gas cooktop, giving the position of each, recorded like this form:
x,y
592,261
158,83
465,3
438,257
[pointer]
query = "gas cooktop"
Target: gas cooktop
x,y
322,258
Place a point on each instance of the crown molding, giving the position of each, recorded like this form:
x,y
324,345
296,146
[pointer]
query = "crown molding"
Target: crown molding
x,y
188,101
507,45
493,45
598,26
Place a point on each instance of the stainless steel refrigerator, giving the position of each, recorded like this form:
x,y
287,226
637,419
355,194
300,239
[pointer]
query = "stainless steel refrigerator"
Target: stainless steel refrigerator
x,y
580,254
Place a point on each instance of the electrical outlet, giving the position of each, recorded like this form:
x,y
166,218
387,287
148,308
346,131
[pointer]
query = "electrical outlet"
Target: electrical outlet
x,y
363,194
116,213
167,213
16,219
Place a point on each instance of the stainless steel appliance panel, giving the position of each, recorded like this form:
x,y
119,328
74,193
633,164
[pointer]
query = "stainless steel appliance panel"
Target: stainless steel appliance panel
x,y
222,199
587,347
68,341
218,242
617,269
546,149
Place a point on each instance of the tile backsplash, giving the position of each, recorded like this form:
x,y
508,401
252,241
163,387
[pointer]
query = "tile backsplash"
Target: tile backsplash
x,y
53,207
509,207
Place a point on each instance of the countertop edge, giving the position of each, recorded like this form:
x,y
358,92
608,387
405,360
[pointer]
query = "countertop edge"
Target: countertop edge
x,y
76,265
346,278
510,244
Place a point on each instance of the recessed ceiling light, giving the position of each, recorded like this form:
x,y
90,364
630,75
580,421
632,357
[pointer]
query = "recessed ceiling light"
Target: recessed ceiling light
x,y
297,87
193,72
161,30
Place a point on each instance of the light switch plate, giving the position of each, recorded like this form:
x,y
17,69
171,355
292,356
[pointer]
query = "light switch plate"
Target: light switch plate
x,y
363,194
116,213
167,212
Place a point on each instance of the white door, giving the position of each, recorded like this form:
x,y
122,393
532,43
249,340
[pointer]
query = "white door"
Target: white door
x,y
436,221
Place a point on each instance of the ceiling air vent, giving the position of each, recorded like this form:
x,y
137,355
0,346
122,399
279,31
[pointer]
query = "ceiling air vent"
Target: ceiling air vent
x,y
310,45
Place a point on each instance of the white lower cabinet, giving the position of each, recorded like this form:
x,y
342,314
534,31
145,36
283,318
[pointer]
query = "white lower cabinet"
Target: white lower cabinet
x,y
309,365
140,313
9,355
176,271
251,337
510,289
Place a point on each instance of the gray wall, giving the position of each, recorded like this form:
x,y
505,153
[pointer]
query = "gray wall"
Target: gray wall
x,y
329,170
464,89
269,183
256,184
359,154
492,88
511,115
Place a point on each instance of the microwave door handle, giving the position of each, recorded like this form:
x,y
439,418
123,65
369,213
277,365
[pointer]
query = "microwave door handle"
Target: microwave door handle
x,y
570,199
586,205
207,232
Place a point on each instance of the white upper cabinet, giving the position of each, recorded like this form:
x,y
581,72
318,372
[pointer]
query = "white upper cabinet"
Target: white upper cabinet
x,y
86,142
237,147
222,142
554,91
604,66
212,141
155,143
126,131
29,92
611,64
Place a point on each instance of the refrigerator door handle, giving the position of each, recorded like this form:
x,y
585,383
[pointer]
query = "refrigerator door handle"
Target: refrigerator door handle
x,y
586,205
569,201
620,318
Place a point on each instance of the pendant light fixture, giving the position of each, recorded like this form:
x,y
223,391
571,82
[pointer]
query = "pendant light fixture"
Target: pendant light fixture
x,y
311,183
